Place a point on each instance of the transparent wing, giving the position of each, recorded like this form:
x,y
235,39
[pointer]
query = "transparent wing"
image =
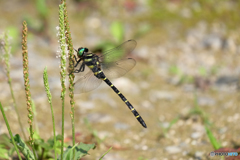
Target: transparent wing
x,y
118,52
86,83
114,64
118,68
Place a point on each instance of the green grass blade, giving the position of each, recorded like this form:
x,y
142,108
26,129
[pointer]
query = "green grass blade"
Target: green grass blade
x,y
105,153
49,95
9,130
216,145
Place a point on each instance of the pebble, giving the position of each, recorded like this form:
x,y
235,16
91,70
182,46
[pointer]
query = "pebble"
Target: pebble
x,y
161,95
173,149
104,134
196,135
199,154
142,52
121,126
206,101
85,104
104,97
146,104
126,85
213,41
99,118
227,80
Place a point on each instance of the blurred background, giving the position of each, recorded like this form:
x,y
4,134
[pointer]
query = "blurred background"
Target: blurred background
x,y
186,76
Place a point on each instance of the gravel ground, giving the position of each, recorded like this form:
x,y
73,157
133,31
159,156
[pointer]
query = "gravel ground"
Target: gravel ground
x,y
174,75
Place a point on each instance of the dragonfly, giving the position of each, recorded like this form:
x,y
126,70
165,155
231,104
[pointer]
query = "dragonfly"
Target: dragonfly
x,y
94,68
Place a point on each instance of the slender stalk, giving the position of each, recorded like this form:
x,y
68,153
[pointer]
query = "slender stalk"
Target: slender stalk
x,y
71,75
10,132
105,153
6,57
63,51
49,95
35,116
26,84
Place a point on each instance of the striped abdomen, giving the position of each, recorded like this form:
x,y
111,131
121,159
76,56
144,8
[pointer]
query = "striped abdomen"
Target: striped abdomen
x,y
133,110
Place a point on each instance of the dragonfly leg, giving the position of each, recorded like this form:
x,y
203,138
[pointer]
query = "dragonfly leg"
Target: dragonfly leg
x,y
78,61
81,69
75,58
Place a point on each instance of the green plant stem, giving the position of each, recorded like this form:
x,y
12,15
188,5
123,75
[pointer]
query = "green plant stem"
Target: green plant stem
x,y
49,95
26,84
63,45
35,116
7,54
71,75
15,107
54,132
105,153
10,132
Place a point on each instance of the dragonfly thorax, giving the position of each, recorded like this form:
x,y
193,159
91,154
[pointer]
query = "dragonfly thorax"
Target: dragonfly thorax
x,y
81,51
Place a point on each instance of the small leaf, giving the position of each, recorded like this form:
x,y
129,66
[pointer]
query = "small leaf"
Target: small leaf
x,y
4,139
212,139
23,147
3,152
80,151
117,31
175,70
13,32
203,71
143,29
42,7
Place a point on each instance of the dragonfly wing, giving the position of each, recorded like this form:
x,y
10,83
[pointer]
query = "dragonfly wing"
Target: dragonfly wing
x,y
118,52
86,83
118,68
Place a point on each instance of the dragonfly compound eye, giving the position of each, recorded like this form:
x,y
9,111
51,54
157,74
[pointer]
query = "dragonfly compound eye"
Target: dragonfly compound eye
x,y
80,51
86,50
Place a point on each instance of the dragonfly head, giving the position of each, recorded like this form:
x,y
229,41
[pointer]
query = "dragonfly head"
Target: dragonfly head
x,y
81,51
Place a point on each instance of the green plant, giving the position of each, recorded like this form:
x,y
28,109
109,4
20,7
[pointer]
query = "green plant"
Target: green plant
x,y
49,95
175,70
142,158
71,75
165,130
80,150
206,122
26,83
198,111
3,152
203,71
6,145
62,51
93,131
117,30
42,8
44,149
105,153
40,149
10,132
39,25
6,48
